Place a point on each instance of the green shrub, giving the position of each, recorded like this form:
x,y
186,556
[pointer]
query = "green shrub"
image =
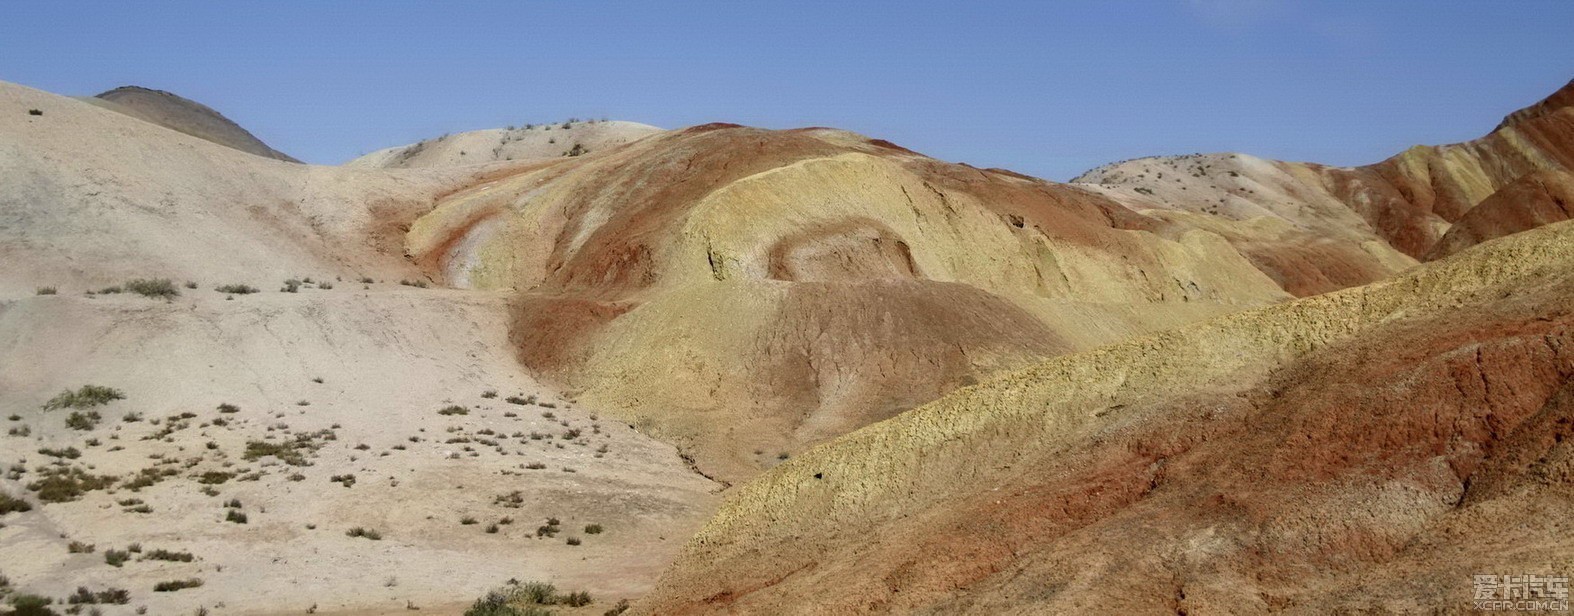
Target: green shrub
x,y
88,396
46,291
153,287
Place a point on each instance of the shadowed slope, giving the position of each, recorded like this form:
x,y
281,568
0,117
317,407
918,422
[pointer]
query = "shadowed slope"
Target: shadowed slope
x,y
1282,458
187,116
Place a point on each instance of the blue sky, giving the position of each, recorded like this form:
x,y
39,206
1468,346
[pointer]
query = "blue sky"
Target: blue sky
x,y
1049,88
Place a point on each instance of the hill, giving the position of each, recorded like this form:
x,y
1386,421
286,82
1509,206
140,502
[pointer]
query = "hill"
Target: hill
x,y
529,142
1363,449
1412,201
187,116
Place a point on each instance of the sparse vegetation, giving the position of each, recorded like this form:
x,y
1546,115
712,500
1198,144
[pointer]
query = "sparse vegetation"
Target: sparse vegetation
x,y
111,596
78,420
291,286
12,504
236,289
61,484
454,410
116,558
88,396
228,408
170,556
45,291
419,284
593,529
235,515
174,585
160,288
365,533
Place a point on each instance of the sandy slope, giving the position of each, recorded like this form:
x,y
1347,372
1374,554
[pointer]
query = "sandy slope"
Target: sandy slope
x,y
389,359
93,197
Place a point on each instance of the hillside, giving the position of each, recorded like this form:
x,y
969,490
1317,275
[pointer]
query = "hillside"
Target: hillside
x,y
523,143
95,198
1364,449
1411,200
187,116
1214,381
808,282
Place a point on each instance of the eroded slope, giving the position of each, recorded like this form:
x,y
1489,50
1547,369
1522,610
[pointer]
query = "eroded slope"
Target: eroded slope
x,y
1364,448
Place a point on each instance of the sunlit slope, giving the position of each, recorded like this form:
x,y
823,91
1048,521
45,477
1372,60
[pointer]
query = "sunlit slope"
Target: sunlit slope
x,y
1280,458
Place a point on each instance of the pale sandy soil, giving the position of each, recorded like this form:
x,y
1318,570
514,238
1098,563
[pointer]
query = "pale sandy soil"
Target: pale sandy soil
x,y
389,358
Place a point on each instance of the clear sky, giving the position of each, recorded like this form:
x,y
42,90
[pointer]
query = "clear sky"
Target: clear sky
x,y
1048,87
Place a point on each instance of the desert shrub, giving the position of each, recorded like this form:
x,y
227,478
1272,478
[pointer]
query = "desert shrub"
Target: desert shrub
x,y
575,599
234,515
236,289
291,286
31,605
36,112
112,596
454,410
58,485
170,556
288,452
617,609
174,585
364,533
214,477
69,453
467,520
367,280
161,288
86,397
572,541
77,547
492,529
325,285
116,558
593,529
12,504
489,394
45,291
78,420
